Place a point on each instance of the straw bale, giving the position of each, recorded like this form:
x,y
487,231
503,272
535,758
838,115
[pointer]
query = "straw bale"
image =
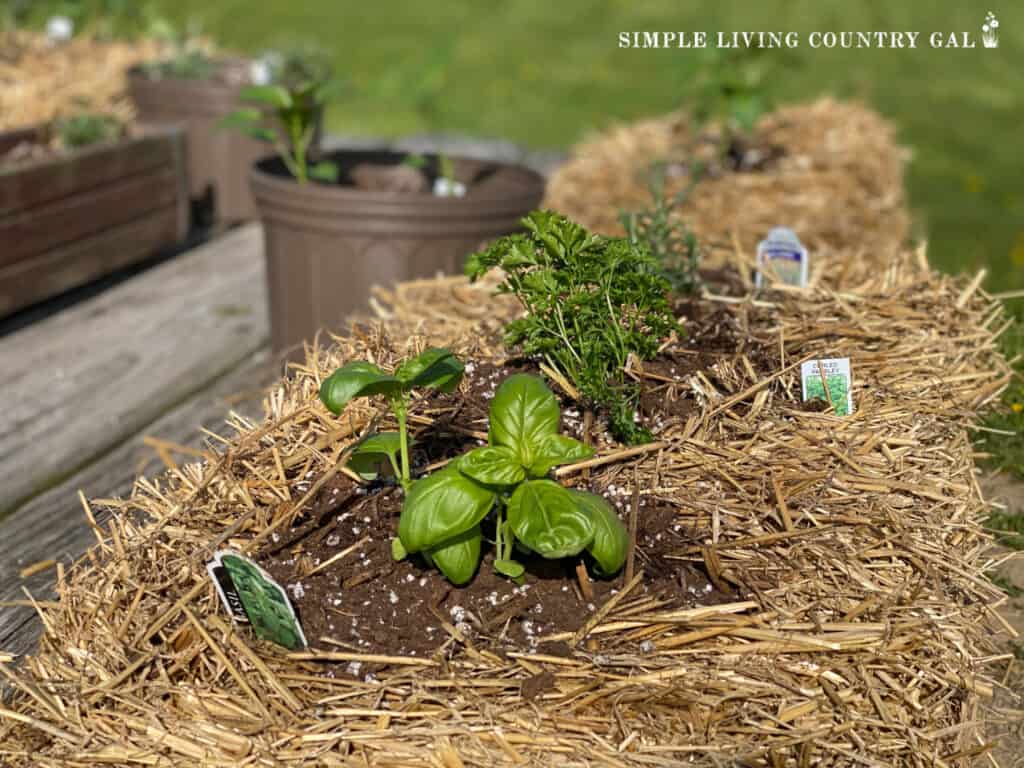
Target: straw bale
x,y
865,634
838,183
40,80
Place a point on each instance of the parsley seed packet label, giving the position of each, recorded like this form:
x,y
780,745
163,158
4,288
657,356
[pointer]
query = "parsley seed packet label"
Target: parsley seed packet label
x,y
829,380
263,601
783,256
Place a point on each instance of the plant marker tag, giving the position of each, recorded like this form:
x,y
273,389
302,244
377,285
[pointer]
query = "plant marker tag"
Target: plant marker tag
x,y
226,589
263,600
829,380
782,254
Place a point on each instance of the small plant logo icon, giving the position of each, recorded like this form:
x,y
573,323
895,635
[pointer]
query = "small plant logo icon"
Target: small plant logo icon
x,y
990,31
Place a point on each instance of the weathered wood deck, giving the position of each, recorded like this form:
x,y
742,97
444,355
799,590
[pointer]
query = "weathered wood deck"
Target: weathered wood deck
x,y
161,355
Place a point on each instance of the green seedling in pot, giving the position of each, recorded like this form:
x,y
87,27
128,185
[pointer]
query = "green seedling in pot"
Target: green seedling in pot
x,y
442,514
286,113
434,368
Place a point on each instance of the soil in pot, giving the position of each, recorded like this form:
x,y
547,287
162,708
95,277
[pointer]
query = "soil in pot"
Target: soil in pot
x,y
368,603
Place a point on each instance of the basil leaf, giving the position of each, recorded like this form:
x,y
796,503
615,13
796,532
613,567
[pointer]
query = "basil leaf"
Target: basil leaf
x,y
556,450
441,506
435,368
509,568
373,451
493,466
273,95
523,413
611,540
397,550
458,557
548,519
356,379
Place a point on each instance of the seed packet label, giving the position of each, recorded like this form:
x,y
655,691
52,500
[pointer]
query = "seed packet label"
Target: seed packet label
x,y
829,380
264,601
782,255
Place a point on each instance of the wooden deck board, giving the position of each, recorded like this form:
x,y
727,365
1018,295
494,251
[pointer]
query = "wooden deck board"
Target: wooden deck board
x,y
80,383
66,535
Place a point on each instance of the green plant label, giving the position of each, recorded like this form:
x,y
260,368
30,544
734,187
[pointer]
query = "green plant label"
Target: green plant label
x,y
264,601
829,380
781,256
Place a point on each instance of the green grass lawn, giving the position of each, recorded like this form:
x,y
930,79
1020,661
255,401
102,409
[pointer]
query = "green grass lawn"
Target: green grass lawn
x,y
545,74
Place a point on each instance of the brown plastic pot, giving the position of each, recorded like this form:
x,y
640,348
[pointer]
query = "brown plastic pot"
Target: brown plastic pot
x,y
327,245
219,159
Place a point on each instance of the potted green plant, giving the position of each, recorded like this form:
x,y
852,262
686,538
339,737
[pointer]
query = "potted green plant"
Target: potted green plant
x,y
197,90
82,197
337,223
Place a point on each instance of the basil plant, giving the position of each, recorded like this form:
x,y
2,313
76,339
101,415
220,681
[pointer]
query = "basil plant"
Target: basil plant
x,y
442,514
433,369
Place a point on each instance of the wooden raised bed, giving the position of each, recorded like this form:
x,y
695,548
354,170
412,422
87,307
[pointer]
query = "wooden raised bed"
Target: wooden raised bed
x,y
69,219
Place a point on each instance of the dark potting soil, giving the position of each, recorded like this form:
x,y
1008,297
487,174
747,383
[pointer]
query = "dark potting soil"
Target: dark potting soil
x,y
368,603
357,169
365,602
229,72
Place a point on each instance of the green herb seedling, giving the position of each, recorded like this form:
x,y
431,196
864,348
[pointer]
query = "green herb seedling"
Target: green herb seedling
x,y
671,244
187,63
442,513
590,302
295,100
86,129
432,369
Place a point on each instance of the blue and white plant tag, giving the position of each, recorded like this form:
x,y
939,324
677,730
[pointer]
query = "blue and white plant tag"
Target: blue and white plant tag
x,y
829,380
782,254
